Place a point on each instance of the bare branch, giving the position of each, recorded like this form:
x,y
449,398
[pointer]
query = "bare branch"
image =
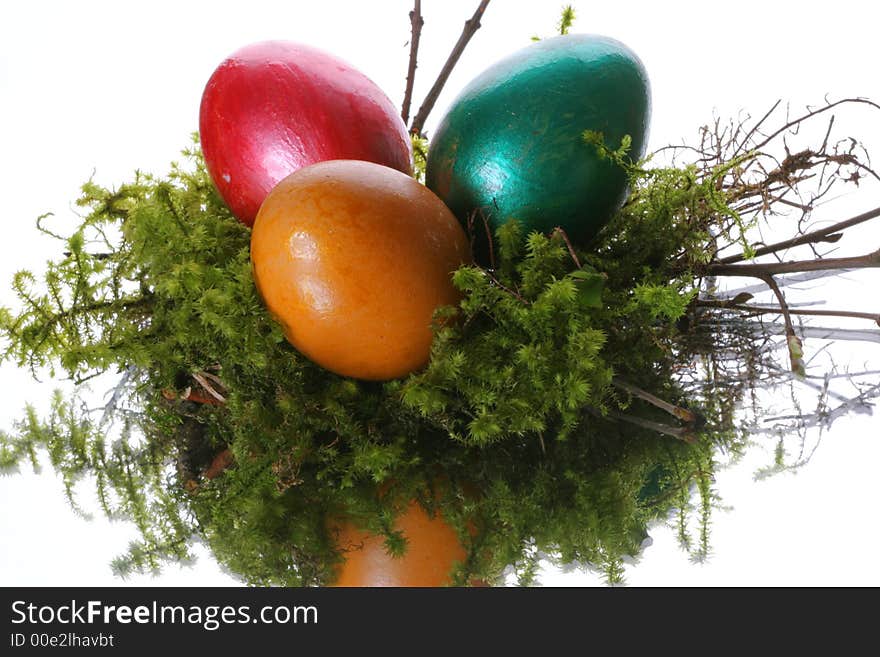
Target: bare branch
x,y
790,280
681,433
416,20
755,128
559,231
470,27
761,270
821,332
764,310
676,411
208,387
795,346
814,236
811,114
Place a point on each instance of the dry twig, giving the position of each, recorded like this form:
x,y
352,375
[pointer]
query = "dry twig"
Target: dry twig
x,y
416,20
470,27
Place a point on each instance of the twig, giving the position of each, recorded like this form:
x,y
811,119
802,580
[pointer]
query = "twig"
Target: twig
x,y
681,433
502,286
771,268
761,329
208,388
416,20
213,377
811,114
764,310
790,280
755,128
845,375
470,27
564,236
676,411
795,346
489,241
807,238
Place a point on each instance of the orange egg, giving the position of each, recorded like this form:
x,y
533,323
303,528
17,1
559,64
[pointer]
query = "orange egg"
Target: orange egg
x,y
353,258
433,550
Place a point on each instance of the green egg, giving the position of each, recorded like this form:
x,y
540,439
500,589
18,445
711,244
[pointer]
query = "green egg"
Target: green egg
x,y
510,146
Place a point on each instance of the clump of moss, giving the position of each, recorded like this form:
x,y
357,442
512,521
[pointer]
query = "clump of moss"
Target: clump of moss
x,y
536,401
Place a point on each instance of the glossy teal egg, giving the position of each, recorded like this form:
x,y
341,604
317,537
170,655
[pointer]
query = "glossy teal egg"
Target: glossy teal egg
x,y
510,146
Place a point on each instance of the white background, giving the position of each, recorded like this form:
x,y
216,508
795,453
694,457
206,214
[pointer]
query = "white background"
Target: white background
x,y
108,87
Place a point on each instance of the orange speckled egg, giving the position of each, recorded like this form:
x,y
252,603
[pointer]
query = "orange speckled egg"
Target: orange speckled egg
x,y
353,258
433,550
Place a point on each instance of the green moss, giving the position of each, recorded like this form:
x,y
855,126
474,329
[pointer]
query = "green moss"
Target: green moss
x,y
517,404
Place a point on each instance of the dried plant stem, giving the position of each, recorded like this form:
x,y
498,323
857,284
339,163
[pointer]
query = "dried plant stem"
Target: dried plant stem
x,y
470,27
795,346
820,332
681,433
416,21
763,270
807,238
677,411
765,310
571,251
203,381
811,114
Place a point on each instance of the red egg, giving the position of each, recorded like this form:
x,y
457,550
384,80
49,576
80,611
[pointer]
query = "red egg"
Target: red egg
x,y
274,107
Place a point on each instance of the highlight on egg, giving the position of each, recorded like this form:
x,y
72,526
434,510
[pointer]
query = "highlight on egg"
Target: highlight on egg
x,y
274,107
353,259
511,147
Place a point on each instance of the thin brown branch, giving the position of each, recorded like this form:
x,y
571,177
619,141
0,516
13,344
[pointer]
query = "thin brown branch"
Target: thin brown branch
x,y
755,128
811,114
489,240
502,286
470,27
681,433
761,329
676,411
795,346
208,387
808,238
568,244
793,279
762,270
769,310
783,304
416,21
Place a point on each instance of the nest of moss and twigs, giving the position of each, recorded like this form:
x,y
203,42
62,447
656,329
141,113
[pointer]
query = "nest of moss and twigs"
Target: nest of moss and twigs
x,y
580,395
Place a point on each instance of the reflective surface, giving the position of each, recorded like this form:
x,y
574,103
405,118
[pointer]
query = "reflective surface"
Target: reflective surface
x,y
353,258
511,143
276,106
432,551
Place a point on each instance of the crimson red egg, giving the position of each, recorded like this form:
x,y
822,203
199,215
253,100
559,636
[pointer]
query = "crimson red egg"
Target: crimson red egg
x,y
274,107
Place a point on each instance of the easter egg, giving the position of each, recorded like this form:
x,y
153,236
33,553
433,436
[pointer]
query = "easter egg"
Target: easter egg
x,y
511,147
433,550
353,258
273,107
